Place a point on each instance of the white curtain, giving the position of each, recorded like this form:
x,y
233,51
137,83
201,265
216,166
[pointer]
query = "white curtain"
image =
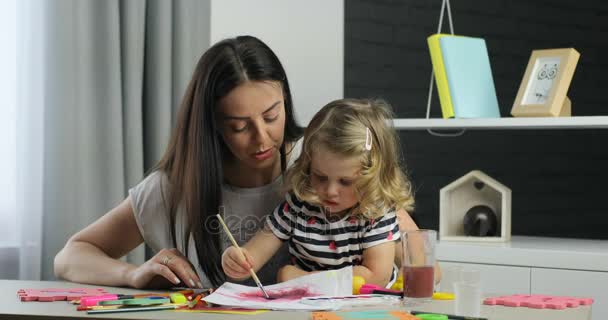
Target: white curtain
x,y
99,82
30,130
8,56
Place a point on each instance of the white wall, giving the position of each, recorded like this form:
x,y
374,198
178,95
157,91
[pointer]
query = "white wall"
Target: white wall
x,y
307,36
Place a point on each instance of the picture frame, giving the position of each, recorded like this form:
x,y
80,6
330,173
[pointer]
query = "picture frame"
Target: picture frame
x,y
543,89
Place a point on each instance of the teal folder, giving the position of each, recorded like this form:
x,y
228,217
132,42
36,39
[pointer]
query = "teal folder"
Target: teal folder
x,y
469,75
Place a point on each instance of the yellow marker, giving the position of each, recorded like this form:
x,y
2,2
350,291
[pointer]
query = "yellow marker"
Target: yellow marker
x,y
398,285
358,282
443,296
178,298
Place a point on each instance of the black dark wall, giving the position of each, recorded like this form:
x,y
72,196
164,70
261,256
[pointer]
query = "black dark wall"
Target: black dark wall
x,y
559,178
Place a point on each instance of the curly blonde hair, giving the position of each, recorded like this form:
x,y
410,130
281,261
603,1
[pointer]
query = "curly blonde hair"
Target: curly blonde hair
x,y
341,128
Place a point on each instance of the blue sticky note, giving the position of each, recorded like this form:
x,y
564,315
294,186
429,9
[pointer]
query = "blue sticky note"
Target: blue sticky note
x,y
469,75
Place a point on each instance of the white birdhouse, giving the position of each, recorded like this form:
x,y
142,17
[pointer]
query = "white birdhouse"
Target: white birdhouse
x,y
475,208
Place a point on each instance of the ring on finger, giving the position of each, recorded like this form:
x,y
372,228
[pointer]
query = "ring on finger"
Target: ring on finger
x,y
166,260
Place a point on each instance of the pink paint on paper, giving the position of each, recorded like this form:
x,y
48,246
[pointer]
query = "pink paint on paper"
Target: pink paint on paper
x,y
277,295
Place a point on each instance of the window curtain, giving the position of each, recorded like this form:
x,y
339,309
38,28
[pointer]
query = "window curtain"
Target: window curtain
x,y
98,86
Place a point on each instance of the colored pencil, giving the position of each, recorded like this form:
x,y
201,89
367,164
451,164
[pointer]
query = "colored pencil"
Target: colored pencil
x,y
450,316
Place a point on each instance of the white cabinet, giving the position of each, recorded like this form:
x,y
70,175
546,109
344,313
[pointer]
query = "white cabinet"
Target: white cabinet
x,y
574,283
498,280
533,265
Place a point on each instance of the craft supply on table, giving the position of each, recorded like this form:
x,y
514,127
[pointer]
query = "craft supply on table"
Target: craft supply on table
x,y
447,316
339,302
431,316
358,282
195,301
176,297
95,300
58,294
115,309
206,309
538,301
375,289
98,300
398,285
358,315
443,296
136,301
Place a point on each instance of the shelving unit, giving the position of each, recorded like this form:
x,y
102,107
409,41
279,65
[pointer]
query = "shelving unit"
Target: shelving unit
x,y
587,122
528,265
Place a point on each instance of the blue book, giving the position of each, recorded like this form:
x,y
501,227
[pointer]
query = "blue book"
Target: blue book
x,y
469,75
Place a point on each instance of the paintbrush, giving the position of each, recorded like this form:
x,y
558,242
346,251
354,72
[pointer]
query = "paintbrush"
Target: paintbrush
x,y
236,245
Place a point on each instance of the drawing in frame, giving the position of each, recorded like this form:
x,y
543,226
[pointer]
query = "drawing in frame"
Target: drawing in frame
x,y
542,92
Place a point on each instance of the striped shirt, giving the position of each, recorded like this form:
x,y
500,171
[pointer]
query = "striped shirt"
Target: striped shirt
x,y
318,244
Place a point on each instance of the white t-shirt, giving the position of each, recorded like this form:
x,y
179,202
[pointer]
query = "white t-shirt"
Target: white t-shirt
x,y
245,212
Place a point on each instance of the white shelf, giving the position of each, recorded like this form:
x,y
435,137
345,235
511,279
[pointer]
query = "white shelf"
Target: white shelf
x,y
539,252
588,122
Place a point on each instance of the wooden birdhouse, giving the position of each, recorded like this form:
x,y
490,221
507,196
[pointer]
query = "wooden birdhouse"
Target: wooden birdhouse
x,y
475,208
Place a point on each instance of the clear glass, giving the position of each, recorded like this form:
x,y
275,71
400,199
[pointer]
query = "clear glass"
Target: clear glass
x,y
418,265
468,299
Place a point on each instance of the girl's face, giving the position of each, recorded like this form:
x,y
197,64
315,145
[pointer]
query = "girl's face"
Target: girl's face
x,y
333,179
253,122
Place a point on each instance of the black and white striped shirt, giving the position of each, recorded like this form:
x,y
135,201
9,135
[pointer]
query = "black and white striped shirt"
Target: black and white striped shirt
x,y
318,244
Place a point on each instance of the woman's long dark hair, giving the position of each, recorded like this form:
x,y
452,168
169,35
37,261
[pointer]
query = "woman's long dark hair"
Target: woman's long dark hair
x,y
193,160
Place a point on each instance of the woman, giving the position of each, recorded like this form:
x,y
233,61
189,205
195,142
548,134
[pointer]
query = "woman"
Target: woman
x,y
232,139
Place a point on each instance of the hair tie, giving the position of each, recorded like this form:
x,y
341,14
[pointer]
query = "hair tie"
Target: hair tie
x,y
368,139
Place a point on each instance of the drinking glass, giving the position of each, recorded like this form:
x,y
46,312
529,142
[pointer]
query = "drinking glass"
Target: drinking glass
x,y
418,265
468,293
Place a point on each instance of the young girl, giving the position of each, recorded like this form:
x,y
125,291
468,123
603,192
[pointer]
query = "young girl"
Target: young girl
x,y
343,192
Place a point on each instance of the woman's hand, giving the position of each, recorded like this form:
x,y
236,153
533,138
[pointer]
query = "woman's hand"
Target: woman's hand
x,y
167,268
236,263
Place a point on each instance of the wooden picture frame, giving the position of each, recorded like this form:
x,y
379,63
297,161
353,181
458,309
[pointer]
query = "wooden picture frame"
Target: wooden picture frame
x,y
542,92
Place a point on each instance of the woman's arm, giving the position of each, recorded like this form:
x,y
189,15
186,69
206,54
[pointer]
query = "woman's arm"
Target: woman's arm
x,y
377,264
92,255
407,224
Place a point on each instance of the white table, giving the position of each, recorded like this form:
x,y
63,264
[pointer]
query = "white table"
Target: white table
x,y
12,308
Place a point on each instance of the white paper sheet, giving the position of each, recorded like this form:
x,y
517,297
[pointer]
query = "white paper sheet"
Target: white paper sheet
x,y
286,295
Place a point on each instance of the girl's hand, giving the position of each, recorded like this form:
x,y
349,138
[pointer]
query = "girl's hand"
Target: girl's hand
x,y
167,268
236,263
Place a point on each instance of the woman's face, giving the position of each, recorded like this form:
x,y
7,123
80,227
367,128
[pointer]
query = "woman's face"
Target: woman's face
x,y
252,122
